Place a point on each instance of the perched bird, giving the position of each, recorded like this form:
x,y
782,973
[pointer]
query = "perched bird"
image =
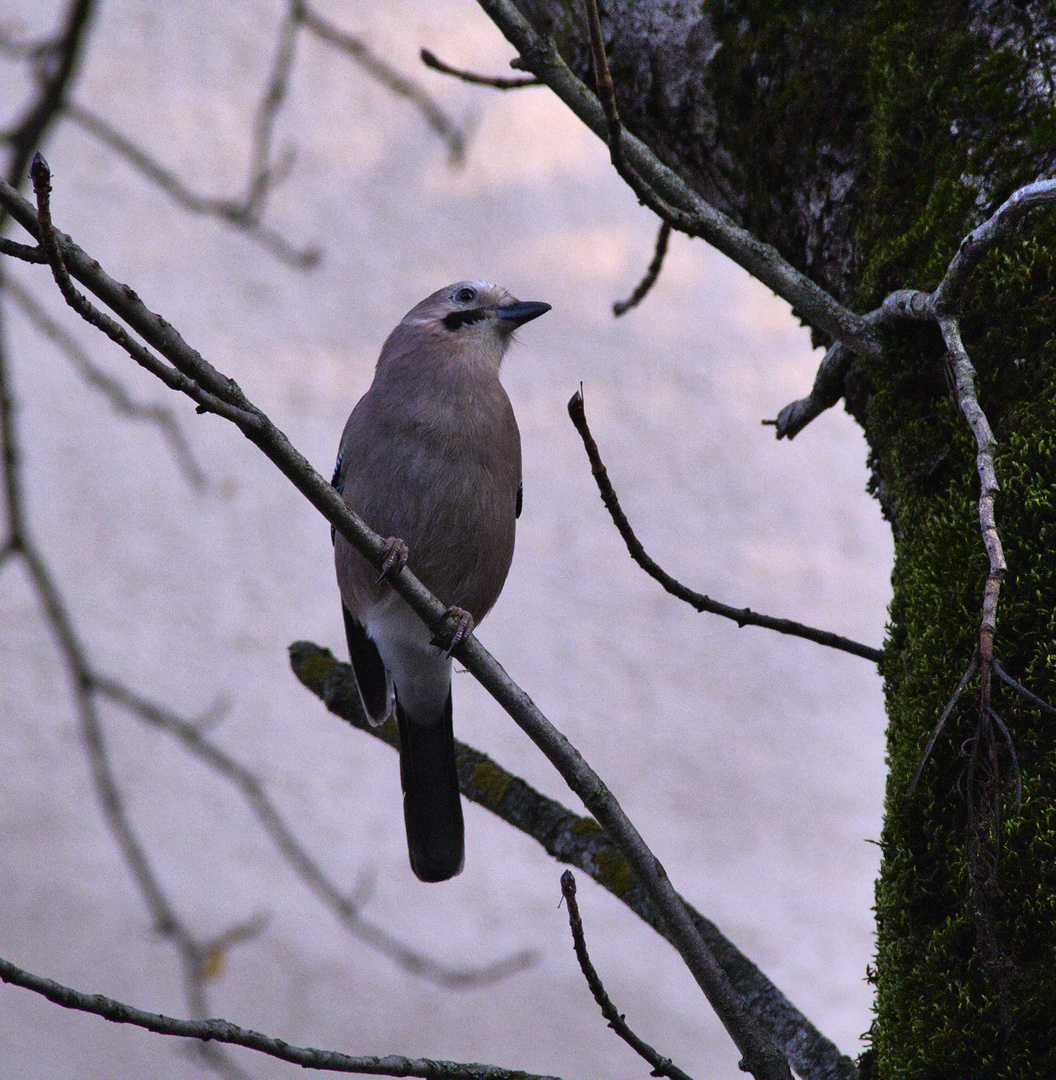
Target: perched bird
x,y
431,458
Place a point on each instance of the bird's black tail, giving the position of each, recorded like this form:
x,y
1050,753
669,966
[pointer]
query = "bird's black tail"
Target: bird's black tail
x,y
432,807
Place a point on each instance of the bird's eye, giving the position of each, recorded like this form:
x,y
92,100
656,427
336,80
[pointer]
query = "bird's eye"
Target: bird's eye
x,y
464,296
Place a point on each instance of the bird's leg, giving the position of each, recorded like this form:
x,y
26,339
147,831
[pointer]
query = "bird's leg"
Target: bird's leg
x,y
463,628
396,552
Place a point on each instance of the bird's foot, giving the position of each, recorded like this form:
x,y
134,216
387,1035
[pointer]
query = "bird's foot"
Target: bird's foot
x,y
396,552
462,629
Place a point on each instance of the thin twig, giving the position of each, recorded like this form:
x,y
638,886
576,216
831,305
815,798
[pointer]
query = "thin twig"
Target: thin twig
x,y
673,199
495,82
22,251
651,274
950,291
1002,727
964,379
1004,676
291,849
698,601
394,81
223,1031
580,842
236,212
760,1055
662,1066
56,65
941,722
119,398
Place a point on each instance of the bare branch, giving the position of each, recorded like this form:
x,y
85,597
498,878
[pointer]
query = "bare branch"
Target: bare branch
x,y
651,274
357,50
56,65
964,379
673,200
580,842
223,1031
940,724
291,849
431,60
1017,775
947,297
242,213
826,391
662,1066
116,394
22,251
698,601
760,1055
1005,677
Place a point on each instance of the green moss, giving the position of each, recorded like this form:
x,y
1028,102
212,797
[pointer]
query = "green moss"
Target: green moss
x,y
941,123
614,872
942,1010
586,826
491,781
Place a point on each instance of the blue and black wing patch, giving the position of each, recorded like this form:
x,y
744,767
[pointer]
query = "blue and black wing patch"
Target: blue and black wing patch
x,y
335,483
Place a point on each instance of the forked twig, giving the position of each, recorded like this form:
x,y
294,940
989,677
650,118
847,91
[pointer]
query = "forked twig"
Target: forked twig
x,y
941,723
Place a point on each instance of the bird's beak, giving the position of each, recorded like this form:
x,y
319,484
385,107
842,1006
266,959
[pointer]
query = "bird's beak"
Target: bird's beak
x,y
521,312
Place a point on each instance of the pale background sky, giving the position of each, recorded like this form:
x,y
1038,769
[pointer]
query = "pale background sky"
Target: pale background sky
x,y
752,763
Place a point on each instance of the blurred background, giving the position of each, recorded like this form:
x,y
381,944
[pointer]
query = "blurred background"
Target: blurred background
x,y
751,762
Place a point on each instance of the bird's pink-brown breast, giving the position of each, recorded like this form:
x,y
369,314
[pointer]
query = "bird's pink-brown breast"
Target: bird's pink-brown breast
x,y
447,445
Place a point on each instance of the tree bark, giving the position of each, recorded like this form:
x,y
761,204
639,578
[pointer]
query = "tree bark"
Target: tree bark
x,y
864,140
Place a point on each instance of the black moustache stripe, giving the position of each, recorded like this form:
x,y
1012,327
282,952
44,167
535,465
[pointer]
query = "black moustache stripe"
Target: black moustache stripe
x,y
464,318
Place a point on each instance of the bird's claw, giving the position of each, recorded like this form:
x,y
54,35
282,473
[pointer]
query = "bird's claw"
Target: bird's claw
x,y
396,552
463,628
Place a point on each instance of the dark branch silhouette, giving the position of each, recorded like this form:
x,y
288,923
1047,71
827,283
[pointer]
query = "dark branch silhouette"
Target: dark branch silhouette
x,y
495,82
223,1031
581,842
698,601
662,1066
652,272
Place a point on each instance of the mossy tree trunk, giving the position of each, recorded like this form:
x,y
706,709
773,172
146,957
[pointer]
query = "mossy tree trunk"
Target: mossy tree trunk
x,y
864,140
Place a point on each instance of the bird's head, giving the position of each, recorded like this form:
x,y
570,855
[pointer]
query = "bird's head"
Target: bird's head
x,y
472,318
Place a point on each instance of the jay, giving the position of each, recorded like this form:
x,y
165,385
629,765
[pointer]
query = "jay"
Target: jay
x,y
431,458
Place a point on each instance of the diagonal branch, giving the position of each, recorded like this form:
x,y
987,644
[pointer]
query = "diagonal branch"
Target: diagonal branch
x,y
289,847
698,601
223,1031
761,1057
580,842
672,199
119,398
661,1066
394,81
